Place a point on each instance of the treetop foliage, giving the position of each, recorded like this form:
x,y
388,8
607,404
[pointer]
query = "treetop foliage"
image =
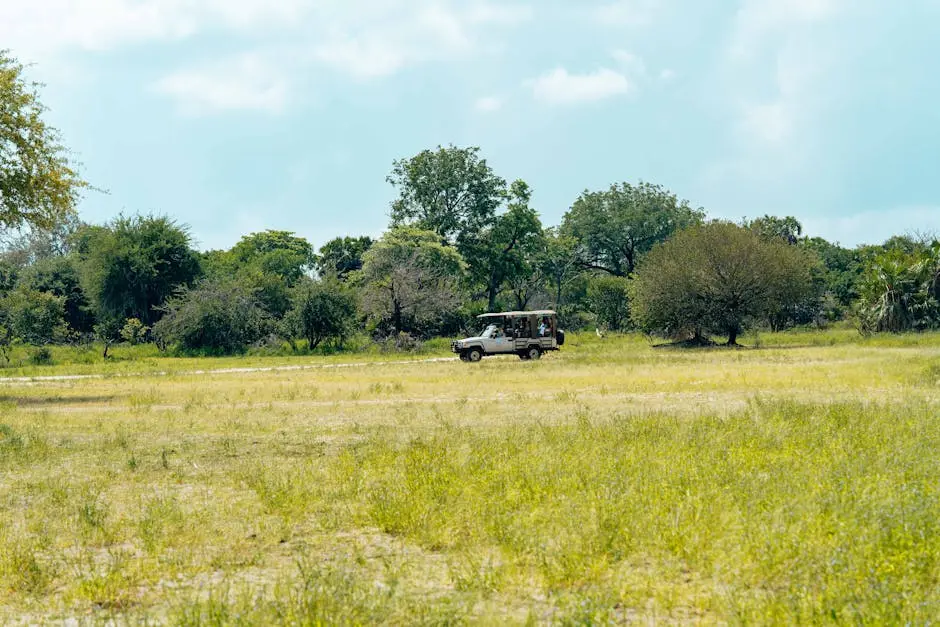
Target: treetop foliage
x,y
615,227
39,185
450,191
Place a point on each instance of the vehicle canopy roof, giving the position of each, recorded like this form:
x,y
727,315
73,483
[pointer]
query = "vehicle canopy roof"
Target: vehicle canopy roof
x,y
518,314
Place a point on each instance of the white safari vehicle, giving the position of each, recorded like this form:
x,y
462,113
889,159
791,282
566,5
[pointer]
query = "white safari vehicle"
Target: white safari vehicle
x,y
524,333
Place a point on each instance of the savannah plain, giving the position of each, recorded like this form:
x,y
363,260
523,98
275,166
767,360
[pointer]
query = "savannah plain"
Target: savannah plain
x,y
793,482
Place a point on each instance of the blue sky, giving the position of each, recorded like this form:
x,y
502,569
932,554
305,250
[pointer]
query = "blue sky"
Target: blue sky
x,y
234,116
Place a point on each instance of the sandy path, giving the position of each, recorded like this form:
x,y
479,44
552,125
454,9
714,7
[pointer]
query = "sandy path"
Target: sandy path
x,y
184,373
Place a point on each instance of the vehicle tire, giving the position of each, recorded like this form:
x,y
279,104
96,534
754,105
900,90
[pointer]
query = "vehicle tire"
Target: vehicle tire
x,y
474,355
523,355
463,357
533,352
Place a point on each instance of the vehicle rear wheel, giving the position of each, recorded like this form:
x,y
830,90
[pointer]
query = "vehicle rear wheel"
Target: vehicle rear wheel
x,y
523,355
474,354
533,352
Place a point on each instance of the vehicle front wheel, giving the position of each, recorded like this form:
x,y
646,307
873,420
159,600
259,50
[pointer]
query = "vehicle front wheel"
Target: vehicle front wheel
x,y
463,357
533,353
474,355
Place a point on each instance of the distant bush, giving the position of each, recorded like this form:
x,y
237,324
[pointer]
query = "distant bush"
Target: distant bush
x,y
320,311
219,316
134,331
42,356
609,301
35,317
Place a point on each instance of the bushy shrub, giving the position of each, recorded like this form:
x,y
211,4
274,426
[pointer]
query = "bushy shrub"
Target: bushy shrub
x,y
218,316
35,317
134,331
320,311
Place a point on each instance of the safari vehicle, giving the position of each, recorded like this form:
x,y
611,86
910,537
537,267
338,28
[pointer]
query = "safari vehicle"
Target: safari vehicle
x,y
524,333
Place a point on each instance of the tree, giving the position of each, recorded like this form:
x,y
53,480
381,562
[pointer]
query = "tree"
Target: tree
x,y
341,256
39,186
450,191
609,300
219,315
558,260
840,271
501,252
275,252
617,226
26,247
787,229
715,278
60,276
132,265
35,317
900,291
271,262
321,310
410,279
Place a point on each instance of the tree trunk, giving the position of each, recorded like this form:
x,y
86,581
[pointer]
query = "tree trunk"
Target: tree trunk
x,y
396,316
733,336
491,298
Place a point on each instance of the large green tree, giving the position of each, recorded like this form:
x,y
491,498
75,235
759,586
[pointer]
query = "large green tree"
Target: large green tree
x,y
455,193
60,277
451,191
39,185
716,278
503,252
410,279
615,227
269,262
131,265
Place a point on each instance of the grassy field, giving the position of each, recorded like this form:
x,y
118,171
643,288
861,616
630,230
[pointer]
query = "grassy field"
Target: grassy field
x,y
613,482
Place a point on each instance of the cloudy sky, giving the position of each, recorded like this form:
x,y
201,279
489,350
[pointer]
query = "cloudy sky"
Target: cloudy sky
x,y
239,115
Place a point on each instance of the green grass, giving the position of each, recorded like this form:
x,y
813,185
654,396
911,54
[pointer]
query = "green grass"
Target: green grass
x,y
611,482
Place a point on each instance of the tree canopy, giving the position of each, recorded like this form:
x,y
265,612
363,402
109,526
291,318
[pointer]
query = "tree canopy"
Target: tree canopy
x,y
716,278
410,279
39,185
615,227
451,191
133,264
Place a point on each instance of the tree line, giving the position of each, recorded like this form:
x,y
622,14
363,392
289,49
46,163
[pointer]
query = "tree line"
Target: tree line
x,y
461,240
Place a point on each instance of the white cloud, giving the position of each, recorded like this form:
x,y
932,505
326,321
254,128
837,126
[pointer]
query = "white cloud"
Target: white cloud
x,y
248,82
488,104
560,87
362,39
667,74
40,29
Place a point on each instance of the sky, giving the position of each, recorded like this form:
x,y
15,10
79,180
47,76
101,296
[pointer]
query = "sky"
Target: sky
x,y
235,116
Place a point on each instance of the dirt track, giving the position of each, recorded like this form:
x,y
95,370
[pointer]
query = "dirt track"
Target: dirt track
x,y
163,373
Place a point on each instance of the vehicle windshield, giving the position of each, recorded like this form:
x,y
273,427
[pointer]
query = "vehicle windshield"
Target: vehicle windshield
x,y
489,331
